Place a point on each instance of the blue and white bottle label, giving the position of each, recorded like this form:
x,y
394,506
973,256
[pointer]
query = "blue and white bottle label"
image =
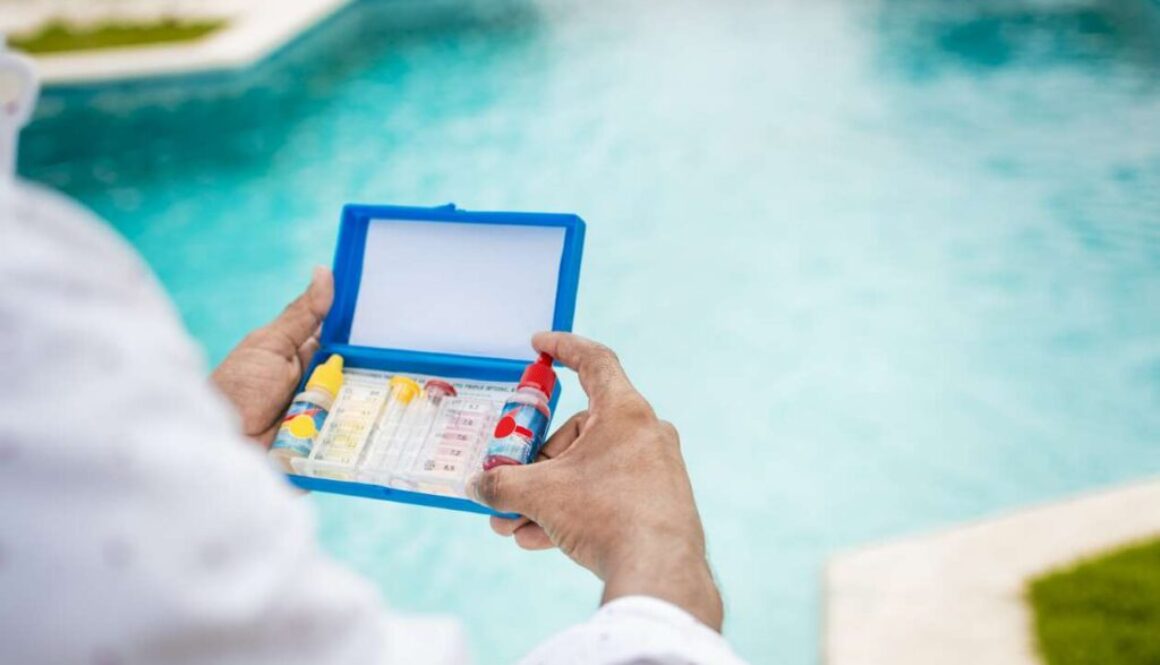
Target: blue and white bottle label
x,y
519,433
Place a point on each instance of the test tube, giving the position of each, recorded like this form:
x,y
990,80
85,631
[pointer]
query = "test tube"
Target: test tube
x,y
383,454
422,421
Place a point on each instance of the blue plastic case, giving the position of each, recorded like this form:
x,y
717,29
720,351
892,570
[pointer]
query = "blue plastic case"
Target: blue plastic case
x,y
349,259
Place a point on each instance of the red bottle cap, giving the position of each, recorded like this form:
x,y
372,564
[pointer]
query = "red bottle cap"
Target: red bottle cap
x,y
539,375
440,387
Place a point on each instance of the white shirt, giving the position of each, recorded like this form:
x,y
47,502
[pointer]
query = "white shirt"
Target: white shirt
x,y
138,526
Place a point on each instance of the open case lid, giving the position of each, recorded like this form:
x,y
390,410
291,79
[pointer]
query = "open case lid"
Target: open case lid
x,y
451,282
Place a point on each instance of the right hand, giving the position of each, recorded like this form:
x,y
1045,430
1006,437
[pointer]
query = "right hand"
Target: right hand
x,y
613,493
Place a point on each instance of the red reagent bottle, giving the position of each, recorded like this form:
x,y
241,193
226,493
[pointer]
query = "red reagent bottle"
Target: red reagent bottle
x,y
523,423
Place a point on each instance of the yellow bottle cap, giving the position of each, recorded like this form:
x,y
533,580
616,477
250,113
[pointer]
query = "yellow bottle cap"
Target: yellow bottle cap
x,y
405,389
327,376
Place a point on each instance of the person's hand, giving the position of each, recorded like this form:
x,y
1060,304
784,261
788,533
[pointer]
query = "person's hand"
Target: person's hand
x,y
260,375
611,491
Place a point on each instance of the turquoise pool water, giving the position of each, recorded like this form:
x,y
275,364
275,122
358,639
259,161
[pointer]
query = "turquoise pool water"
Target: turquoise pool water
x,y
888,265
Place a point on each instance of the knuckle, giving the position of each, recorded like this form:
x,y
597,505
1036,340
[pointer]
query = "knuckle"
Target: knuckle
x,y
636,408
668,434
597,355
605,353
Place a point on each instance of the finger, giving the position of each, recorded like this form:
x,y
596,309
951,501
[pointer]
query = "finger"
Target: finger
x,y
532,536
508,488
266,438
307,350
506,526
528,534
301,318
600,372
562,439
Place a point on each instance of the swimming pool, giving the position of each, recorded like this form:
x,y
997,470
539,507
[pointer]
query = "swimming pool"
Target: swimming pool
x,y
887,265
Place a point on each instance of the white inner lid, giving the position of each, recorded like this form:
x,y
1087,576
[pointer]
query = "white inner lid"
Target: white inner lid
x,y
448,287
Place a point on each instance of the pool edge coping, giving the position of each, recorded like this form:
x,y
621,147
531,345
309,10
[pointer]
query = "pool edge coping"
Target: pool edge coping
x,y
250,37
956,595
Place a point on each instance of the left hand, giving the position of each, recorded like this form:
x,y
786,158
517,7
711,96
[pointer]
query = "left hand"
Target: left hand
x,y
260,375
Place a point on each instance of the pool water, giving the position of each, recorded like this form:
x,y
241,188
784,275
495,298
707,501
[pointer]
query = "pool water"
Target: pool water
x,y
887,265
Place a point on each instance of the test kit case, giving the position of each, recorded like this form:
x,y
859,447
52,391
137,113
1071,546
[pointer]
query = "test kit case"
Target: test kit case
x,y
446,294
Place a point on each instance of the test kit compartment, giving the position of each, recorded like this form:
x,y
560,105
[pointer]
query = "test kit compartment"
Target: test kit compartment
x,y
433,314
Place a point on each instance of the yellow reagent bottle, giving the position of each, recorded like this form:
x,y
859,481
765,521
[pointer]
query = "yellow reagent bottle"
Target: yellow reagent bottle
x,y
307,413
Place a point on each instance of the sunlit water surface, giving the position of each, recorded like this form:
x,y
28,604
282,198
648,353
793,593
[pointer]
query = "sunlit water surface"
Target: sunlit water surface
x,y
887,265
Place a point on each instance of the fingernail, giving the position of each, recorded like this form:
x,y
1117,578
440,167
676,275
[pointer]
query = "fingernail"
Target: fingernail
x,y
316,275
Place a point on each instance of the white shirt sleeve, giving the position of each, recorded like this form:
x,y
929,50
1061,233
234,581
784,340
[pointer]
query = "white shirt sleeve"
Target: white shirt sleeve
x,y
639,630
139,526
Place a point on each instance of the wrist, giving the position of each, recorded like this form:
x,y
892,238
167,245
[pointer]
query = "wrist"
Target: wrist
x,y
677,573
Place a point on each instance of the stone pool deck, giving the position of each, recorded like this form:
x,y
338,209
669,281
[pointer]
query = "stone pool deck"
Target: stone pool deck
x,y
255,30
956,596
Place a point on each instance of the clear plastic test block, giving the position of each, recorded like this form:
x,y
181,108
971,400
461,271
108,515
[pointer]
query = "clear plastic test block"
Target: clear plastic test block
x,y
412,432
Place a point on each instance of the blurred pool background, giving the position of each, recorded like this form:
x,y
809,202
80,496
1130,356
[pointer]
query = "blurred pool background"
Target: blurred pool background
x,y
887,265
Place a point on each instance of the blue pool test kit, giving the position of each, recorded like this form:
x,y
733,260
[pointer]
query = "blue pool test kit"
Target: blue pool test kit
x,y
433,314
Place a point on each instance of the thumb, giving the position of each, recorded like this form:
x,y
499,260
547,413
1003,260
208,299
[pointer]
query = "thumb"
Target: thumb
x,y
301,318
508,488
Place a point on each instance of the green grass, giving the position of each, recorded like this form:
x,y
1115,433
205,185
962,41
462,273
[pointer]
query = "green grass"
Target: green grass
x,y
1101,611
59,36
